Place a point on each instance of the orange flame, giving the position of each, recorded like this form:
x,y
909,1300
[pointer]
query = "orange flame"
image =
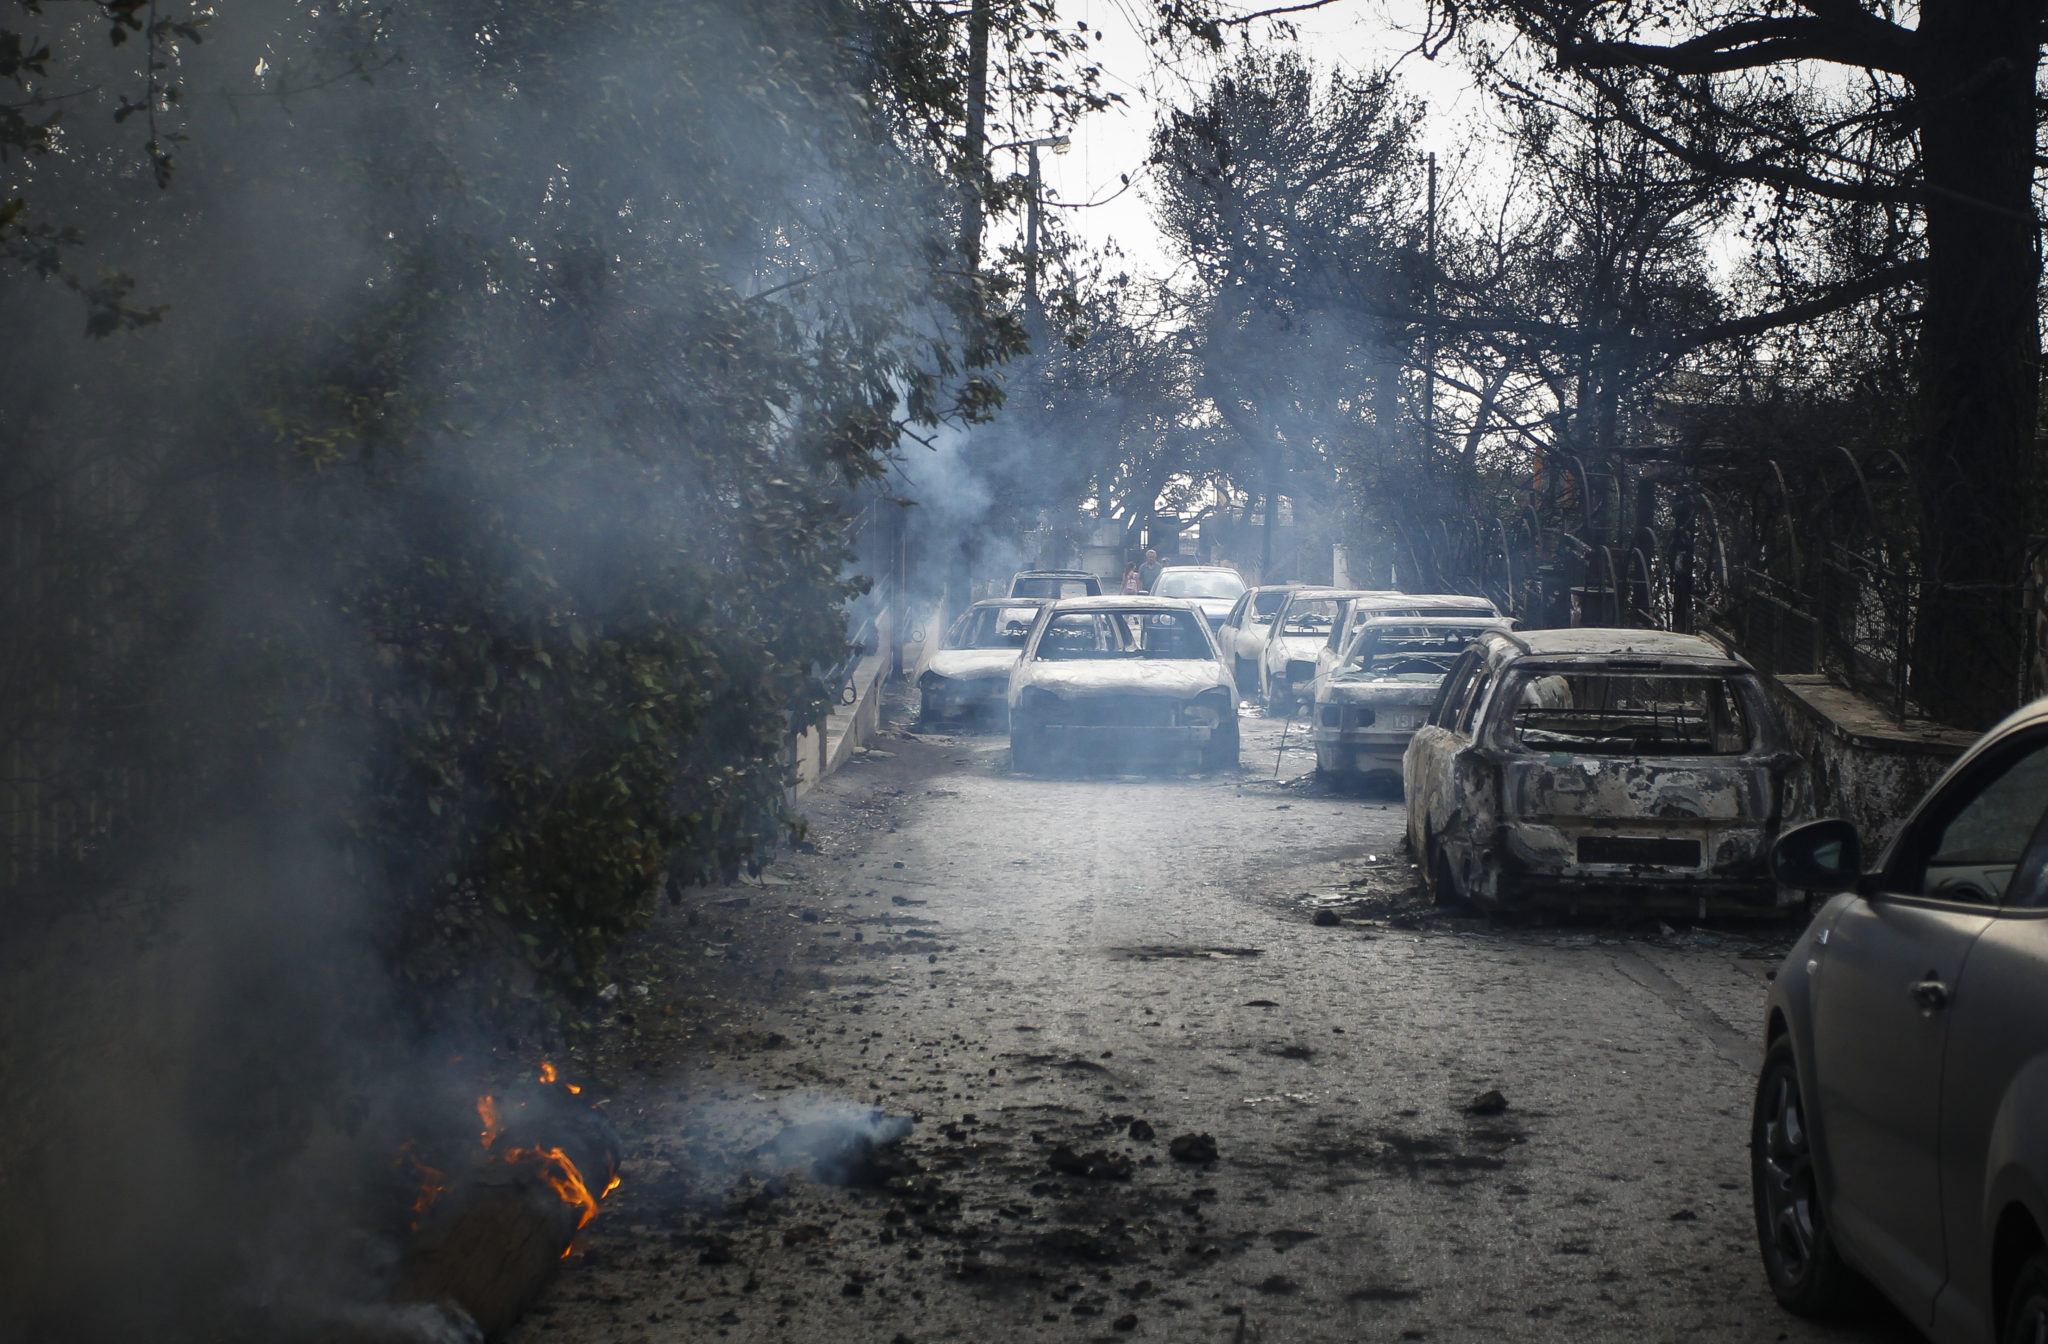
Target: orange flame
x,y
547,1072
562,1176
487,1111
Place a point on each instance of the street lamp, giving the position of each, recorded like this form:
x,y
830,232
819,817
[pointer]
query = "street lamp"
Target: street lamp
x,y
1058,144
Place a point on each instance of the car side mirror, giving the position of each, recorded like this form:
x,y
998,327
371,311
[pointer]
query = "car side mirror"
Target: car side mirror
x,y
1819,856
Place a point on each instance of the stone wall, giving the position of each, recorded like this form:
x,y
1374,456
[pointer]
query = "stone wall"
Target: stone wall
x,y
1866,767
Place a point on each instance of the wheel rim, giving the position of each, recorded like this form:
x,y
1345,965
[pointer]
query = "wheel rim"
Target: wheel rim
x,y
1786,1159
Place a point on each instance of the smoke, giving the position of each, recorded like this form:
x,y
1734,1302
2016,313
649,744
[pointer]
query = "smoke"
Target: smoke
x,y
430,582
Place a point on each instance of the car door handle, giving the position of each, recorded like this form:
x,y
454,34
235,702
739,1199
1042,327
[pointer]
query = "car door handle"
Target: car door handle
x,y
1930,994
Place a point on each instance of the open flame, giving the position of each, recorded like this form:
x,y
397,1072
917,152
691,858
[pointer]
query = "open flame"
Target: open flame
x,y
553,1165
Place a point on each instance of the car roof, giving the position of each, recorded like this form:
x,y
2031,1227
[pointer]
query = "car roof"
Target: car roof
x,y
1054,574
1591,644
1197,564
1011,601
1107,602
1476,621
1322,592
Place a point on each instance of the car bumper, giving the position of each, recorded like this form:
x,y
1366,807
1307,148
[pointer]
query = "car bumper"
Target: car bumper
x,y
1727,873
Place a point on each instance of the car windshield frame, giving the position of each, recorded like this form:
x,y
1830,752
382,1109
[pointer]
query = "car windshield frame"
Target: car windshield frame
x,y
1218,577
1367,647
998,635
1284,625
1127,634
1542,711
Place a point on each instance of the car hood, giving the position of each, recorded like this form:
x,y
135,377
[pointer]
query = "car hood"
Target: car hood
x,y
973,664
1298,648
1388,692
1176,677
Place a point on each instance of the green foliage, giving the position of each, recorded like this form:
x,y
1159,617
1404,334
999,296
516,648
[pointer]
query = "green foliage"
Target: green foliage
x,y
492,525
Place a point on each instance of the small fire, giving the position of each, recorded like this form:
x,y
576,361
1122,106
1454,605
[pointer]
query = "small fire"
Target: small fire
x,y
554,1165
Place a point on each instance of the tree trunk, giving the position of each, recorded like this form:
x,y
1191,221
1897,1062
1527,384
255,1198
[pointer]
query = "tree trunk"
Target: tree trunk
x,y
1980,352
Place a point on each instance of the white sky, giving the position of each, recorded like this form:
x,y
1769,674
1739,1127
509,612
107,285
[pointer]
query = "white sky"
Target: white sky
x,y
1357,35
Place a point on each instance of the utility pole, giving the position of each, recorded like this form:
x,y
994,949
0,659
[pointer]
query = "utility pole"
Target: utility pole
x,y
973,177
975,150
1032,316
1429,330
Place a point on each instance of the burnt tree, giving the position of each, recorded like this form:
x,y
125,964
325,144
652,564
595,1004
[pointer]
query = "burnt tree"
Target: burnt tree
x,y
1938,120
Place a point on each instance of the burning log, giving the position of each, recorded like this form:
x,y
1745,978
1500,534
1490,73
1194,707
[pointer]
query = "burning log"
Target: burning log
x,y
492,1238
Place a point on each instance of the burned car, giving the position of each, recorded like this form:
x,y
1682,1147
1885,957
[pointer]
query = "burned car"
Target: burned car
x,y
1213,588
1110,677
1244,632
1368,706
970,669
1632,770
1287,665
1052,584
1354,612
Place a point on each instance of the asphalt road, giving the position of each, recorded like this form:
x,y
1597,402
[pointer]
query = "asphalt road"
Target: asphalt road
x,y
1028,965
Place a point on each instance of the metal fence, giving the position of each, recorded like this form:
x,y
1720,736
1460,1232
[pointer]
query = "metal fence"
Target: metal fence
x,y
1806,568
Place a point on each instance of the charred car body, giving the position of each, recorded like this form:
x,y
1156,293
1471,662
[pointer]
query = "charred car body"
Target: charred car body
x,y
1354,612
970,670
1369,705
1287,666
1052,584
1246,629
1213,588
1110,677
1623,769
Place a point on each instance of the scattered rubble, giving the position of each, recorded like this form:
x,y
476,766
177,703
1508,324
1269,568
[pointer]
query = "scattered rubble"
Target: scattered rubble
x,y
1193,1148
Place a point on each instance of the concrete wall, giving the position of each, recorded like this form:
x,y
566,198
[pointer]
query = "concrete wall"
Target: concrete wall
x,y
1866,767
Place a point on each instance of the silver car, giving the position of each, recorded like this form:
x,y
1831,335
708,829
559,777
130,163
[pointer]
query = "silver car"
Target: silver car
x,y
1901,1122
1111,677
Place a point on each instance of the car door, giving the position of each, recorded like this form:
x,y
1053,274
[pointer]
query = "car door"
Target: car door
x,y
1887,981
1994,1081
1231,633
1426,766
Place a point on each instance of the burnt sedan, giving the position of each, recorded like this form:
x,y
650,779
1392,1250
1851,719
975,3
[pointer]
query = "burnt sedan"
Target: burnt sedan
x,y
969,672
1631,770
1105,678
1370,704
1901,1119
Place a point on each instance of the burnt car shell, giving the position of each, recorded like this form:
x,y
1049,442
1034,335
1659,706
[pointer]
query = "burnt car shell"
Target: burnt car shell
x,y
1369,705
970,670
1111,677
1635,770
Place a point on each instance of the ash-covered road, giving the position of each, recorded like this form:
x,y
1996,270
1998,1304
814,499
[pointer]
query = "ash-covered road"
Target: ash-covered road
x,y
1032,965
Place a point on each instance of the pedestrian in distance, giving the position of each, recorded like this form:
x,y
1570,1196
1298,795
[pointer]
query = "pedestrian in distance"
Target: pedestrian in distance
x,y
1133,585
1148,573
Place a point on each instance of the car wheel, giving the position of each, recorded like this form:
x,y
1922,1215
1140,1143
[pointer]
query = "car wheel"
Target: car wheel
x,y
1220,752
2026,1308
927,710
1027,750
1806,1273
1278,702
1443,884
1246,676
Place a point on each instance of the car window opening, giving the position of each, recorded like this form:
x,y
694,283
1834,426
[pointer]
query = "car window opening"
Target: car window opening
x,y
1622,714
992,628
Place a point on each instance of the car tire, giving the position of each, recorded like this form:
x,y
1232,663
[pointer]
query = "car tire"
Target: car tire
x,y
926,714
2025,1318
1028,750
1443,884
1806,1273
1246,676
1278,703
1221,750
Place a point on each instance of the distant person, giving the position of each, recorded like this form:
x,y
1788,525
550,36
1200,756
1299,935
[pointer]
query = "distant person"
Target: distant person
x,y
1148,573
1133,583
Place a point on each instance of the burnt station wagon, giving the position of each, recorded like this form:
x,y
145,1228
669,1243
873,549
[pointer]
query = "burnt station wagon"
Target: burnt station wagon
x,y
1621,769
